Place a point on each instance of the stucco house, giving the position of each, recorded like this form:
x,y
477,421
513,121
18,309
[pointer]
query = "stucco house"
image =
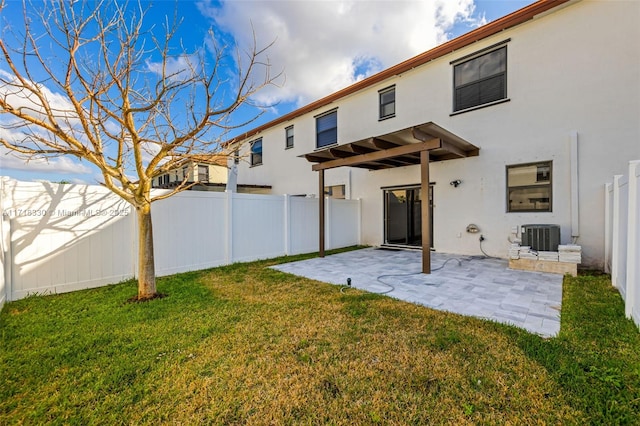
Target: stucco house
x,y
205,172
521,121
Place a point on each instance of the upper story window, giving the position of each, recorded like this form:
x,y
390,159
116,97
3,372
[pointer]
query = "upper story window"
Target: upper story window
x,y
256,152
288,132
529,187
163,180
480,80
236,156
203,173
387,102
327,129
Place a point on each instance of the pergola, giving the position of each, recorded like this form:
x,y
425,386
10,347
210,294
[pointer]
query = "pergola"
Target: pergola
x,y
411,146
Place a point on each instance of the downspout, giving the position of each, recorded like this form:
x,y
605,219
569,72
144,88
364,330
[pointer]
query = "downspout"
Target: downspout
x,y
575,201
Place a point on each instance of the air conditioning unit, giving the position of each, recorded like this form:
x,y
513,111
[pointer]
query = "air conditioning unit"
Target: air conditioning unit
x,y
541,237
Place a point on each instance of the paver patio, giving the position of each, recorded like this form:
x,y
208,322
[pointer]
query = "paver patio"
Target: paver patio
x,y
467,285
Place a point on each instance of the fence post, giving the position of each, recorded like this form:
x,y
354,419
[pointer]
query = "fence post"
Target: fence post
x,y
5,242
608,226
6,245
615,246
632,237
328,228
7,260
359,221
287,224
8,271
228,238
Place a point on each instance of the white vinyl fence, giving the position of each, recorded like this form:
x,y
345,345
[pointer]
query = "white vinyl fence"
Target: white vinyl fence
x,y
622,237
58,238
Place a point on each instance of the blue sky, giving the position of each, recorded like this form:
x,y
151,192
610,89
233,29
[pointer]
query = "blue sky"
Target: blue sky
x,y
320,45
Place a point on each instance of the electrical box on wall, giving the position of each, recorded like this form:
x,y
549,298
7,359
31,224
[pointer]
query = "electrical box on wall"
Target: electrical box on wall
x,y
541,237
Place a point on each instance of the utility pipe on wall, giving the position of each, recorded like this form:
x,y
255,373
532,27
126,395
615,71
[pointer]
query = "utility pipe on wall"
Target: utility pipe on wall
x,y
575,210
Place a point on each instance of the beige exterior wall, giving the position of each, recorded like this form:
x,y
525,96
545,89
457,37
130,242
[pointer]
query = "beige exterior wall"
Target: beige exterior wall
x,y
217,174
576,69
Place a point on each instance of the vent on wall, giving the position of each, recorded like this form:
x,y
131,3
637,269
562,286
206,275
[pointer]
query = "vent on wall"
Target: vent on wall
x,y
541,237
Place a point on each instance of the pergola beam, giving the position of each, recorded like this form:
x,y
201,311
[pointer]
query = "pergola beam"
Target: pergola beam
x,y
361,149
314,158
341,154
454,149
380,155
395,149
382,144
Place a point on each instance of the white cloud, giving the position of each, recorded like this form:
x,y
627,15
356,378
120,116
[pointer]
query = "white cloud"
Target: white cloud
x,y
14,130
327,45
64,165
20,98
178,68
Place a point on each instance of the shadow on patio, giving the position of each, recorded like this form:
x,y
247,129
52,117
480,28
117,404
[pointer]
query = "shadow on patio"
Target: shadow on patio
x,y
466,285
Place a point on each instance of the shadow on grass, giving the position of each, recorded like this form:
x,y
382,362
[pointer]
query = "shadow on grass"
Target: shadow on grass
x,y
245,342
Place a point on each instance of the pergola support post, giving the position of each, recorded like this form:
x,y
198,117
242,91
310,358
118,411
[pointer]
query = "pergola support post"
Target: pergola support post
x,y
426,219
321,212
395,149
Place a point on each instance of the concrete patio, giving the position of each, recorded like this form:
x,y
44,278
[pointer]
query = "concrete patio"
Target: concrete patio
x,y
466,285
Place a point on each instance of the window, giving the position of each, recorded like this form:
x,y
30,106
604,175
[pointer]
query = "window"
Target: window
x,y
236,156
289,137
203,173
529,187
327,129
387,102
480,80
335,191
256,152
163,180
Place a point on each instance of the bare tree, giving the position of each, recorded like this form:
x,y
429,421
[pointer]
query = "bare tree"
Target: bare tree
x,y
97,81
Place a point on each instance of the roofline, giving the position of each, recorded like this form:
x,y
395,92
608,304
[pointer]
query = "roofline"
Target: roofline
x,y
518,17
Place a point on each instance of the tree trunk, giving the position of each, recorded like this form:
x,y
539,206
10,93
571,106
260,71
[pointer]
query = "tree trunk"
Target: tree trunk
x,y
146,265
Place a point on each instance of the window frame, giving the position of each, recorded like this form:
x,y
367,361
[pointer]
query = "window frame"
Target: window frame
x,y
203,173
254,155
288,138
548,185
473,57
331,129
382,105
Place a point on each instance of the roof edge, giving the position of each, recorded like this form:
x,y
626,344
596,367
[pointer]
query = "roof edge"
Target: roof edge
x,y
518,17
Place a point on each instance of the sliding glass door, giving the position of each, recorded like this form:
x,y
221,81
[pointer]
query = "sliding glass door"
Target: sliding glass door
x,y
403,216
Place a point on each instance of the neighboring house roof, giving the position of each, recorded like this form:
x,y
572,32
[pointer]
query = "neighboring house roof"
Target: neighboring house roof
x,y
212,159
516,18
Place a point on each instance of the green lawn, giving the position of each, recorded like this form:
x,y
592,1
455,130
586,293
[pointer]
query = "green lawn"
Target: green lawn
x,y
244,344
